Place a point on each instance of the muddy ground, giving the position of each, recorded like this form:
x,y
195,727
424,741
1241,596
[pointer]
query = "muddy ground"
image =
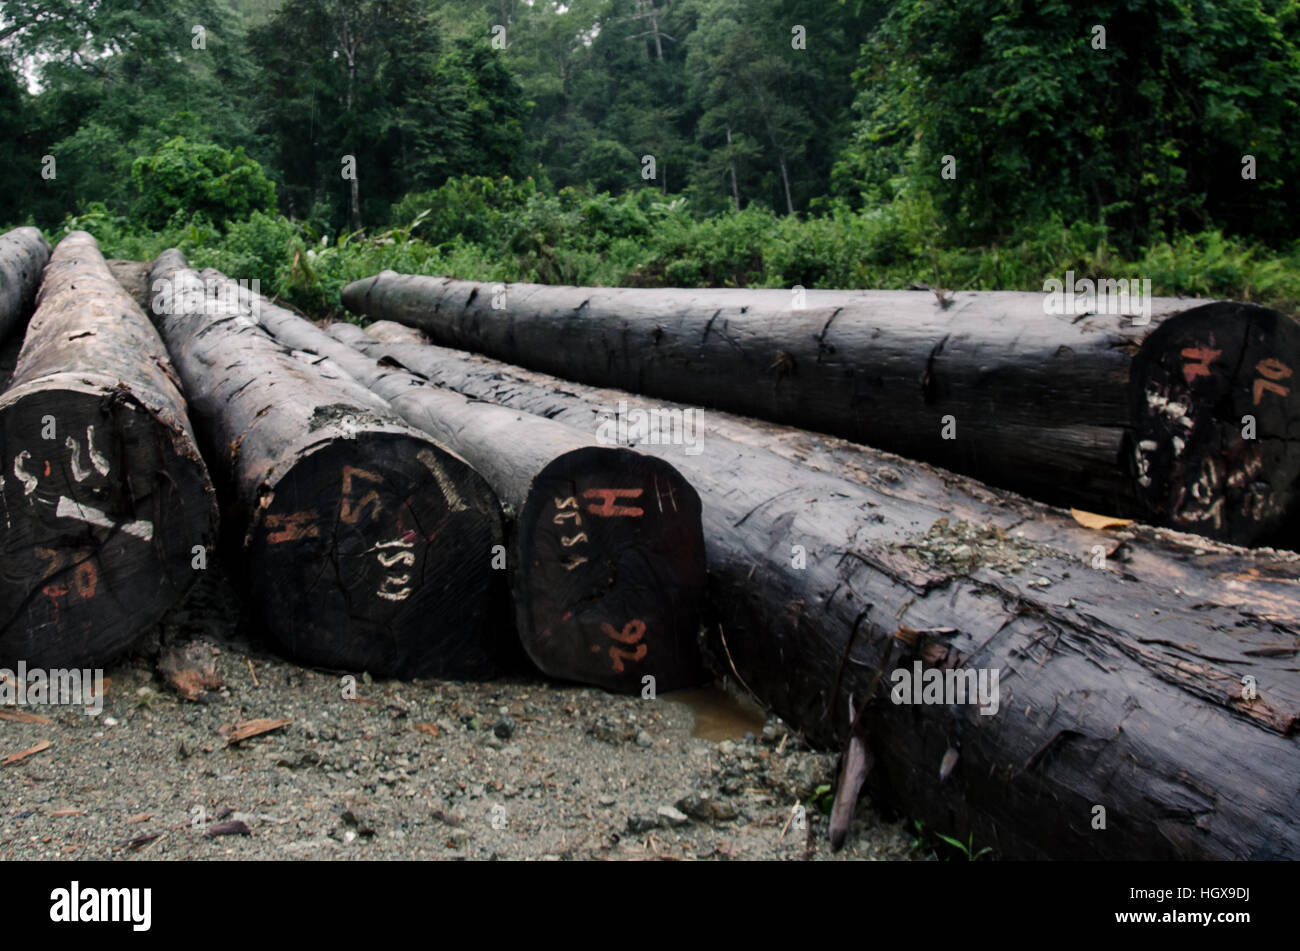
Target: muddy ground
x,y
513,769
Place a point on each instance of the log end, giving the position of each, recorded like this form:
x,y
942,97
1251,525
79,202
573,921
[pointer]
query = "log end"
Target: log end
x,y
612,572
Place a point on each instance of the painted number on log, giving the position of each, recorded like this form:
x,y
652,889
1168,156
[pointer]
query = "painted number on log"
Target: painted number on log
x,y
631,634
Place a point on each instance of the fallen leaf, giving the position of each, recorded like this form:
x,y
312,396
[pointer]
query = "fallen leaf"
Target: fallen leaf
x,y
22,716
244,731
428,728
1098,522
15,757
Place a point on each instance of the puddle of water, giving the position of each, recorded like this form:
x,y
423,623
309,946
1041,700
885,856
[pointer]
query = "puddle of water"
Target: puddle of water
x,y
718,715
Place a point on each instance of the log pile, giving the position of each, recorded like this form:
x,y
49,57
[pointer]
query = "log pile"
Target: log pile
x,y
1052,684
365,544
1142,671
108,511
1188,416
608,566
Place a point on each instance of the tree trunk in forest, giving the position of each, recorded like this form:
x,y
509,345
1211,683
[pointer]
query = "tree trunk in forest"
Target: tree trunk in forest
x,y
1190,419
1145,671
108,511
365,544
608,570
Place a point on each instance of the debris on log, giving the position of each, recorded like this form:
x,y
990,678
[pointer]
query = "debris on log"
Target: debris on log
x,y
365,544
108,511
1013,671
608,568
1141,416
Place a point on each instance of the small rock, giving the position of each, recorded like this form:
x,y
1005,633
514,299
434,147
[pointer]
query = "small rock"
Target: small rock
x,y
642,823
706,809
607,800
674,816
505,727
643,739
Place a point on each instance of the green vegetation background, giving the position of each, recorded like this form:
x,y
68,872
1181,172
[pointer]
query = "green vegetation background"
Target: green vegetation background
x,y
774,165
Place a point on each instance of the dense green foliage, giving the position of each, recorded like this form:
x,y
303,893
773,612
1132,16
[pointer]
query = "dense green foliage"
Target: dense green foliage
x,y
648,142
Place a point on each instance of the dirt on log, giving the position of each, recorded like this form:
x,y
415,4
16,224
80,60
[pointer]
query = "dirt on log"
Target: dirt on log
x,y
608,553
364,544
108,512
1186,416
1142,670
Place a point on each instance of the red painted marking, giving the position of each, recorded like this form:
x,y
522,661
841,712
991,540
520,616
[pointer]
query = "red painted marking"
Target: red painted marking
x,y
1202,357
292,528
632,631
85,579
618,655
607,507
349,511
1273,370
47,467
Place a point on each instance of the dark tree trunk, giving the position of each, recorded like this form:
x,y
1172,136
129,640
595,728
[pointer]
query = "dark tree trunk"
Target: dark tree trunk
x,y
365,544
1073,411
1145,671
23,254
608,567
108,512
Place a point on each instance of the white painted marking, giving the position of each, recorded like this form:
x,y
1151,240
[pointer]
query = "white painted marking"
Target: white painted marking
x,y
28,480
98,461
78,473
68,508
404,557
449,490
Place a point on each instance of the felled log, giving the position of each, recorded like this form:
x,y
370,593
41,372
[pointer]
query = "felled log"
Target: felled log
x,y
23,255
1140,670
134,278
365,545
608,566
1140,416
107,508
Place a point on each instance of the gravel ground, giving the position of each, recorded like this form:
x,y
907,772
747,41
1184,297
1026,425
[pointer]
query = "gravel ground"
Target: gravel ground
x,y
510,769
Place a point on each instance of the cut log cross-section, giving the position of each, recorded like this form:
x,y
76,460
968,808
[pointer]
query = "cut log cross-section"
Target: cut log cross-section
x,y
107,507
1140,669
1056,406
366,545
608,572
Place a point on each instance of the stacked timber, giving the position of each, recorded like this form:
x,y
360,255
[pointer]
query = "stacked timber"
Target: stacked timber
x,y
608,566
1003,671
23,254
107,508
365,544
1186,415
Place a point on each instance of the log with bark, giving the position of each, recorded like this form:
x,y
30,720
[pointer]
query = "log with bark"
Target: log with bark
x,y
108,511
1188,418
23,255
365,544
608,552
1141,670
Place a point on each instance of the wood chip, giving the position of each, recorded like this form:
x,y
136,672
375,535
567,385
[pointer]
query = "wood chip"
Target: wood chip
x,y
15,757
429,728
1098,522
251,728
58,813
190,670
142,817
233,827
22,716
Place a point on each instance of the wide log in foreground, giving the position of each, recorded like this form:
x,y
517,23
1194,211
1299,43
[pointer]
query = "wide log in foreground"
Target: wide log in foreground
x,y
108,512
365,544
1142,670
1188,417
608,566
23,255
